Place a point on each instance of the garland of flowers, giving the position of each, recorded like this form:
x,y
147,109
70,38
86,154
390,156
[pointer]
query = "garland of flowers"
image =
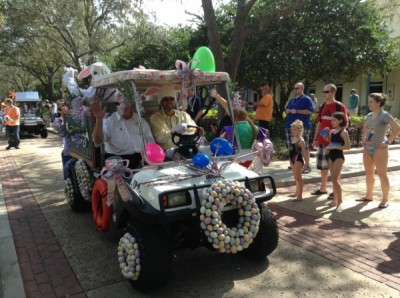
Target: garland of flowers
x,y
129,257
68,190
223,238
85,180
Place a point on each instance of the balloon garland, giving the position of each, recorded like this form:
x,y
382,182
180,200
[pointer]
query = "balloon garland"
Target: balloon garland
x,y
68,190
84,179
129,257
223,238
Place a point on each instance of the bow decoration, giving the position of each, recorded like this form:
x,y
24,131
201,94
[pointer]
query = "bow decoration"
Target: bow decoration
x,y
187,72
115,172
264,150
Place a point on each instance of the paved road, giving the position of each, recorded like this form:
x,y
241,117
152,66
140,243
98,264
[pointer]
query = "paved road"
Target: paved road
x,y
352,253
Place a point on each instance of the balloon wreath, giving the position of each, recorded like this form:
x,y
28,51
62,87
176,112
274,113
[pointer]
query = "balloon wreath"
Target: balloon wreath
x,y
223,238
129,257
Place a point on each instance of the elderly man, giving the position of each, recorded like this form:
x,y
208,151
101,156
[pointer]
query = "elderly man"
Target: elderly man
x,y
11,121
168,120
300,107
120,133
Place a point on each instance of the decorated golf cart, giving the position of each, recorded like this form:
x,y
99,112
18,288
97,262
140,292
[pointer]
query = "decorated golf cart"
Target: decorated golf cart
x,y
200,195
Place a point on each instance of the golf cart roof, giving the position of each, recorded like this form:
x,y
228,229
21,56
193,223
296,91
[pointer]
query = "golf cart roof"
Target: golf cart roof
x,y
27,96
154,77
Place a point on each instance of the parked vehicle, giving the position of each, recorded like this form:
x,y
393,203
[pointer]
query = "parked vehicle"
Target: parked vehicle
x,y
173,203
31,120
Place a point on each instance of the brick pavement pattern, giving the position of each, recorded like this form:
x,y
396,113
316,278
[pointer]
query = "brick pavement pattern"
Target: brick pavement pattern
x,y
44,268
345,243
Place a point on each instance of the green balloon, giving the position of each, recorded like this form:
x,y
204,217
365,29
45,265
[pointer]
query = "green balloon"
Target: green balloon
x,y
206,60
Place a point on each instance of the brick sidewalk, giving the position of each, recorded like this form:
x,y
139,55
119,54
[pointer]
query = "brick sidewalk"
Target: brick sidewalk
x,y
44,268
371,251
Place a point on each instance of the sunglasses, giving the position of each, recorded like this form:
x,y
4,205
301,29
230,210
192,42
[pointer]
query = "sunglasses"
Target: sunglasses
x,y
169,98
297,88
326,91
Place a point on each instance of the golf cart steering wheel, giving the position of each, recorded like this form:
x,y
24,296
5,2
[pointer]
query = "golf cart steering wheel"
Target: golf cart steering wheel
x,y
186,143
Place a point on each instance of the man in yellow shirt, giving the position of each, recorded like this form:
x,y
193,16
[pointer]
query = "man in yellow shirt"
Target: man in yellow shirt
x,y
11,121
264,107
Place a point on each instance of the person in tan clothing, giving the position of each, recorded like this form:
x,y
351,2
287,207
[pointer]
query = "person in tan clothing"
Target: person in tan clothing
x,y
264,107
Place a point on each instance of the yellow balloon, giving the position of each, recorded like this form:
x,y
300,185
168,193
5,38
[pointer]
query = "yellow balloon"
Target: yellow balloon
x,y
206,60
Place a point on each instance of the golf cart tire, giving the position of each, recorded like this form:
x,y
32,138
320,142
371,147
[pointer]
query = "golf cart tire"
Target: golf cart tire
x,y
155,256
44,133
267,238
78,203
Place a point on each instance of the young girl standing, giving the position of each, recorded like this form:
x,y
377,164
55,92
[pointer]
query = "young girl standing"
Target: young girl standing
x,y
298,157
339,141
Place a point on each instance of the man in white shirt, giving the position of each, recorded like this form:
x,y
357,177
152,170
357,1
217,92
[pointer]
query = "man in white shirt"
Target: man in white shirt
x,y
120,133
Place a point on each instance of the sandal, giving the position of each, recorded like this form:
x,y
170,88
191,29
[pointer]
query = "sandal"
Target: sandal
x,y
363,199
319,192
383,205
297,200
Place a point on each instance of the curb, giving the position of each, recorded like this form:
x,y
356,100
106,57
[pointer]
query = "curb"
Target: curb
x,y
10,273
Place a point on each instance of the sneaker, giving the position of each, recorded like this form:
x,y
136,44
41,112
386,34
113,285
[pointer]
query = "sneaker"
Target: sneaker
x,y
16,147
8,147
306,170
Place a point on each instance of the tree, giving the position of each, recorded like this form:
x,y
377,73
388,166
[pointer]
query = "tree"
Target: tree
x,y
317,43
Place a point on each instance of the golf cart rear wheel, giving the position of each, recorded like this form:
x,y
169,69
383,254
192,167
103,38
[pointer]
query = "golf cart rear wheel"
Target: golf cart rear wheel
x,y
78,203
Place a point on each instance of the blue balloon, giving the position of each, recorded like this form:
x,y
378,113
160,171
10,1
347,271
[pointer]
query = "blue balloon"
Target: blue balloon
x,y
220,146
201,160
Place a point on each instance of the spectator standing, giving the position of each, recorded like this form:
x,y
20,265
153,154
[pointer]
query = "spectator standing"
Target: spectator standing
x,y
315,102
298,157
264,107
321,140
300,107
53,110
339,141
11,121
354,101
375,142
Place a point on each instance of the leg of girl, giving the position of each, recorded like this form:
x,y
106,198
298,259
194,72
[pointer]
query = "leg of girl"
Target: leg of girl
x,y
369,166
336,170
381,155
297,169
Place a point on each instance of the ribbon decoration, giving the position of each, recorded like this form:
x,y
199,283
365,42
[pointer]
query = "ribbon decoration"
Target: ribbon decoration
x,y
187,72
114,172
264,151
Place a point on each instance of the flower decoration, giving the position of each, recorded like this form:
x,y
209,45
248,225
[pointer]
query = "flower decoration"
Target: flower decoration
x,y
237,102
223,238
129,257
127,96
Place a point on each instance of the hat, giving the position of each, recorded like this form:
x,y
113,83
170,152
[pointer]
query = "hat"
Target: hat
x,y
266,88
353,90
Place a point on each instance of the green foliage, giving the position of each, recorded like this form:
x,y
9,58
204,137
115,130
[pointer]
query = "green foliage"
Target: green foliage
x,y
280,150
333,41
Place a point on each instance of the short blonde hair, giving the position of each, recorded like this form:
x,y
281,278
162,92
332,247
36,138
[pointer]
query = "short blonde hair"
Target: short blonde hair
x,y
8,100
298,124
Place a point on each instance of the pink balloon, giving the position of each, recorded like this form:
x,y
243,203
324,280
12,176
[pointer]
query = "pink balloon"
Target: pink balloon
x,y
154,152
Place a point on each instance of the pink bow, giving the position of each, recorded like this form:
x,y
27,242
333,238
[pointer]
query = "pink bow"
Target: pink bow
x,y
187,73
